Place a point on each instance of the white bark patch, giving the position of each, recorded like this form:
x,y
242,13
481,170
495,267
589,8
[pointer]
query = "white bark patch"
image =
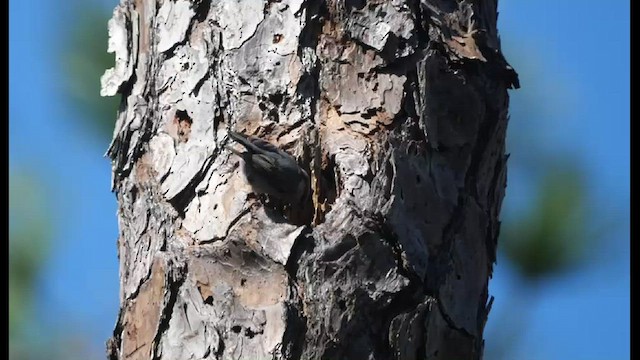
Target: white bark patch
x,y
201,114
216,206
274,326
267,62
190,334
188,162
259,334
162,153
276,240
222,282
173,21
119,44
237,29
180,75
182,72
136,263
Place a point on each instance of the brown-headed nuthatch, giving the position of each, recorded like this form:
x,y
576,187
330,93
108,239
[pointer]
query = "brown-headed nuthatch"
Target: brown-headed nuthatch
x,y
271,170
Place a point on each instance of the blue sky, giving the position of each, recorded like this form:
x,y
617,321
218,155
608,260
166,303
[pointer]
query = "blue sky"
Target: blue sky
x,y
573,60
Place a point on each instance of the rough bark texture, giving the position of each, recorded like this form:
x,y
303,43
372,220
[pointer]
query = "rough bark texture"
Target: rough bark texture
x,y
398,109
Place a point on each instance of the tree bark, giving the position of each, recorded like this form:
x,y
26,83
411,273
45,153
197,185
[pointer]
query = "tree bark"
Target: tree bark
x,y
398,110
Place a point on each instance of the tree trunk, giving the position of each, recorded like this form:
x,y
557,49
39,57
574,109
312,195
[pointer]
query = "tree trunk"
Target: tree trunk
x,y
398,110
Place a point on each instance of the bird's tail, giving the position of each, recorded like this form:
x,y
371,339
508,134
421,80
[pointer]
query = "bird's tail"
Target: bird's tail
x,y
244,141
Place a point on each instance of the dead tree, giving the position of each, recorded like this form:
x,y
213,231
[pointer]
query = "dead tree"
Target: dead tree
x,y
397,109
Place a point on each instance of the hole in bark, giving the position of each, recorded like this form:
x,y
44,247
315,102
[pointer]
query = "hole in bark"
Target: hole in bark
x,y
342,305
236,329
250,333
184,122
276,98
134,194
274,115
329,187
418,179
277,38
243,281
369,113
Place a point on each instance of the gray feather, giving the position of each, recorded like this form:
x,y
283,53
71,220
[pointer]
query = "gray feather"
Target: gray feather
x,y
271,170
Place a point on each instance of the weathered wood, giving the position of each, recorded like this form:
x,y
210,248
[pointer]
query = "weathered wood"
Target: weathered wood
x,y
398,109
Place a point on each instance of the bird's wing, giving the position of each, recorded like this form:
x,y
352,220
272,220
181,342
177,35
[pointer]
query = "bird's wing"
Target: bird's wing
x,y
268,165
265,146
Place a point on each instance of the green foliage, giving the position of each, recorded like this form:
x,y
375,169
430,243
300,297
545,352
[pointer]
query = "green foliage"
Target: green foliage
x,y
29,235
553,236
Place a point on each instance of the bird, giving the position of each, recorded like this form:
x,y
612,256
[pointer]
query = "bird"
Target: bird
x,y
271,170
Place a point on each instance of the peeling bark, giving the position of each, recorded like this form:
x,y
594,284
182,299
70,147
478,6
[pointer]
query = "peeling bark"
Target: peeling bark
x,y
398,110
